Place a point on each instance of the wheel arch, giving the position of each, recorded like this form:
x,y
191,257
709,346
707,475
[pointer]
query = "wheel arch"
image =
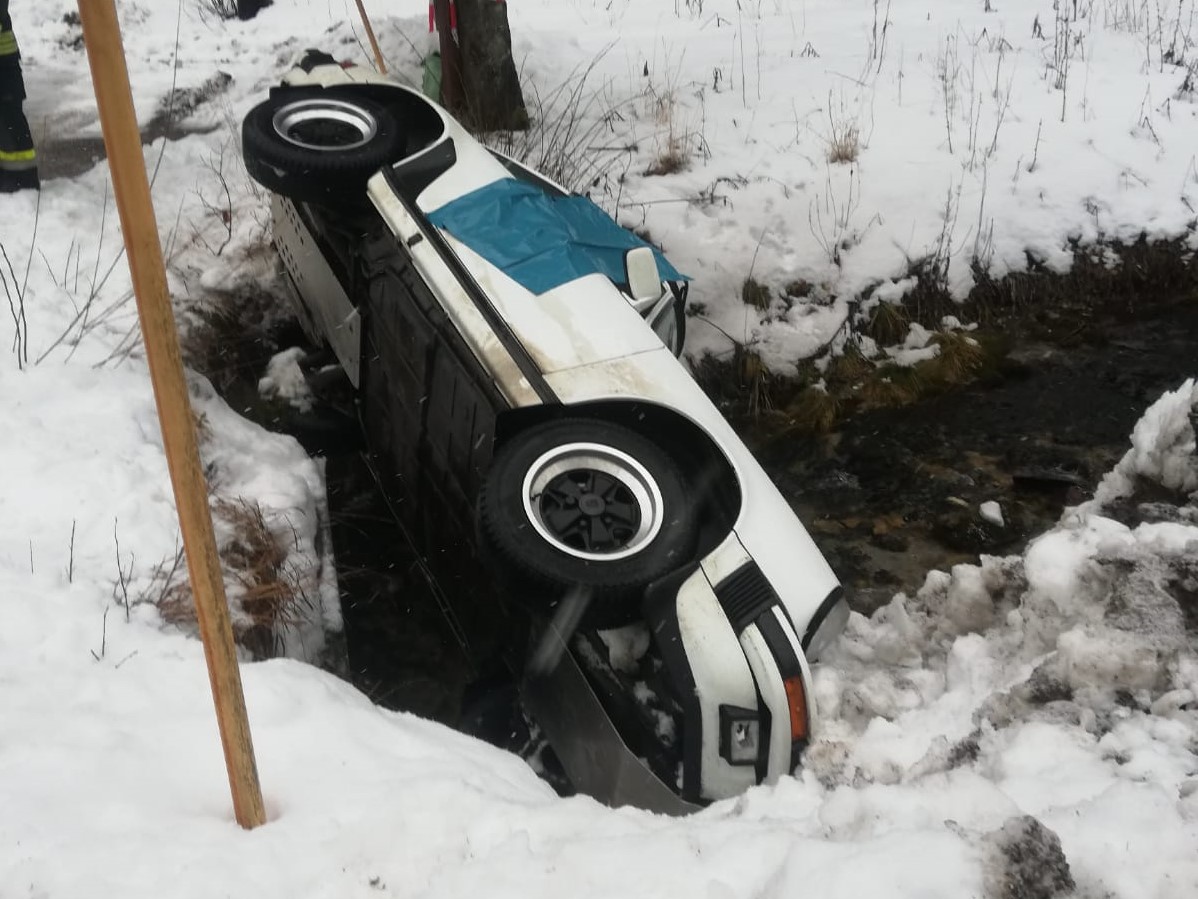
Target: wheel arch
x,y
704,465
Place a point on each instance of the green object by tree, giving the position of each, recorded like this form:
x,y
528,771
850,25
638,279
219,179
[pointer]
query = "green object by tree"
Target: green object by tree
x,y
431,82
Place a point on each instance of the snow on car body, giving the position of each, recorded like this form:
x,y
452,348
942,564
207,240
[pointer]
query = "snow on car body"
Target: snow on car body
x,y
735,609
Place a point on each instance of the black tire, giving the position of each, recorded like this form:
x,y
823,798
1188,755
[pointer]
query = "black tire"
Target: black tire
x,y
584,503
319,145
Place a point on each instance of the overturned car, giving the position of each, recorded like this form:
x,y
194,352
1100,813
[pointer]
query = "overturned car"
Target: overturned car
x,y
514,355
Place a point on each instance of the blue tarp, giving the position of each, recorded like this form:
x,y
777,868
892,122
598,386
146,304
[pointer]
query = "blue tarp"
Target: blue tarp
x,y
541,241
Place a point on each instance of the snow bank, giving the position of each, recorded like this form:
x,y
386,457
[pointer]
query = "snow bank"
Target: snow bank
x,y
1062,684
1162,448
961,728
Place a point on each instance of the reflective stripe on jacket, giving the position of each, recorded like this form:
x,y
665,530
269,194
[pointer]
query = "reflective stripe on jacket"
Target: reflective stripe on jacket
x,y
18,160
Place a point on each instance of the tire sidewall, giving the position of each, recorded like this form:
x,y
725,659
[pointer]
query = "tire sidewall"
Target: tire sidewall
x,y
303,173
506,524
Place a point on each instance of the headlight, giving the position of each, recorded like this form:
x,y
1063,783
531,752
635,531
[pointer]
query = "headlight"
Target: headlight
x,y
829,622
740,735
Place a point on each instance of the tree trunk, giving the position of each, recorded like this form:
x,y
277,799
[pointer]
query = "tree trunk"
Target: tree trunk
x,y
492,87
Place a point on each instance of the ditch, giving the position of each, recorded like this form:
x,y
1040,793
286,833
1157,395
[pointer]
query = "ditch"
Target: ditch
x,y
888,495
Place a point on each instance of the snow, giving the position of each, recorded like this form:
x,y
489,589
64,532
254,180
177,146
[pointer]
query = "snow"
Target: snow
x,y
914,348
1059,685
991,511
284,380
1162,448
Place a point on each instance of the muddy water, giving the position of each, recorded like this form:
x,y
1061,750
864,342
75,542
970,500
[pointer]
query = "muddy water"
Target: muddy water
x,y
402,650
898,492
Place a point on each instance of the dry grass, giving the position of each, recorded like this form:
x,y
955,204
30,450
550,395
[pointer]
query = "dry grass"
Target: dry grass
x,y
233,333
814,411
746,389
754,293
756,377
844,137
171,593
672,158
257,559
890,387
775,407
674,148
888,323
567,138
268,591
843,145
1051,305
849,367
960,360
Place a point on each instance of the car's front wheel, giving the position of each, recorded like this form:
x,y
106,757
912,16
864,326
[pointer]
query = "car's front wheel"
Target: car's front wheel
x,y
584,503
319,145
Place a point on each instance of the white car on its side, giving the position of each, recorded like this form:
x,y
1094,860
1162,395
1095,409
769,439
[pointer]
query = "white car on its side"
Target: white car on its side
x,y
514,354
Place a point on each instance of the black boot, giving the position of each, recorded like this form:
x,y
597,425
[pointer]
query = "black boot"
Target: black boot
x,y
18,159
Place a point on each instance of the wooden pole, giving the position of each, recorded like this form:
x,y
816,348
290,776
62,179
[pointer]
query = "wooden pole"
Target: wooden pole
x,y
122,143
374,45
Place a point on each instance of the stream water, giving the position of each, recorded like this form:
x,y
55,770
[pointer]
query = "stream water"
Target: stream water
x,y
898,492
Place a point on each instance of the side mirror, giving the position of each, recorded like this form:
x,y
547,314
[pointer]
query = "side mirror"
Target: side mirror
x,y
644,280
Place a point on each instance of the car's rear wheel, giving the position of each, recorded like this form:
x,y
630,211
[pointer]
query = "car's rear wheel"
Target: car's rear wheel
x,y
584,503
319,145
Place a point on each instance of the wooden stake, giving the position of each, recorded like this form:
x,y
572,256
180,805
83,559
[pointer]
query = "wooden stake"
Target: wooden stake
x,y
122,142
374,45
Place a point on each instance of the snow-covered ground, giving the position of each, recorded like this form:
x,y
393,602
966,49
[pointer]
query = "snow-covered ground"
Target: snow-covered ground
x,y
961,728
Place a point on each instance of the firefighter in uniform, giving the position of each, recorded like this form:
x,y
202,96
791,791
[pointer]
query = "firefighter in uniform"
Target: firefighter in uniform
x,y
18,160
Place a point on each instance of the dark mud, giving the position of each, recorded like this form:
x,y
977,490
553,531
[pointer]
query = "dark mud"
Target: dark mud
x,y
404,651
895,493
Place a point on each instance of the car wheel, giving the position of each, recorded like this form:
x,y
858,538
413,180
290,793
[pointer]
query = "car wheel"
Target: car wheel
x,y
583,503
319,145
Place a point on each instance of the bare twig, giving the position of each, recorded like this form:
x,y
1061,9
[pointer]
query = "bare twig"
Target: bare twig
x,y
564,140
223,212
123,576
71,559
103,637
1031,166
16,308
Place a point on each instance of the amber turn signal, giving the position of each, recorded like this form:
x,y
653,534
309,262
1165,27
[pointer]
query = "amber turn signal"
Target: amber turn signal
x,y
796,698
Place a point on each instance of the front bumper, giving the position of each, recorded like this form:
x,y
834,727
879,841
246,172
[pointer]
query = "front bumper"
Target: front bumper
x,y
732,657
737,664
